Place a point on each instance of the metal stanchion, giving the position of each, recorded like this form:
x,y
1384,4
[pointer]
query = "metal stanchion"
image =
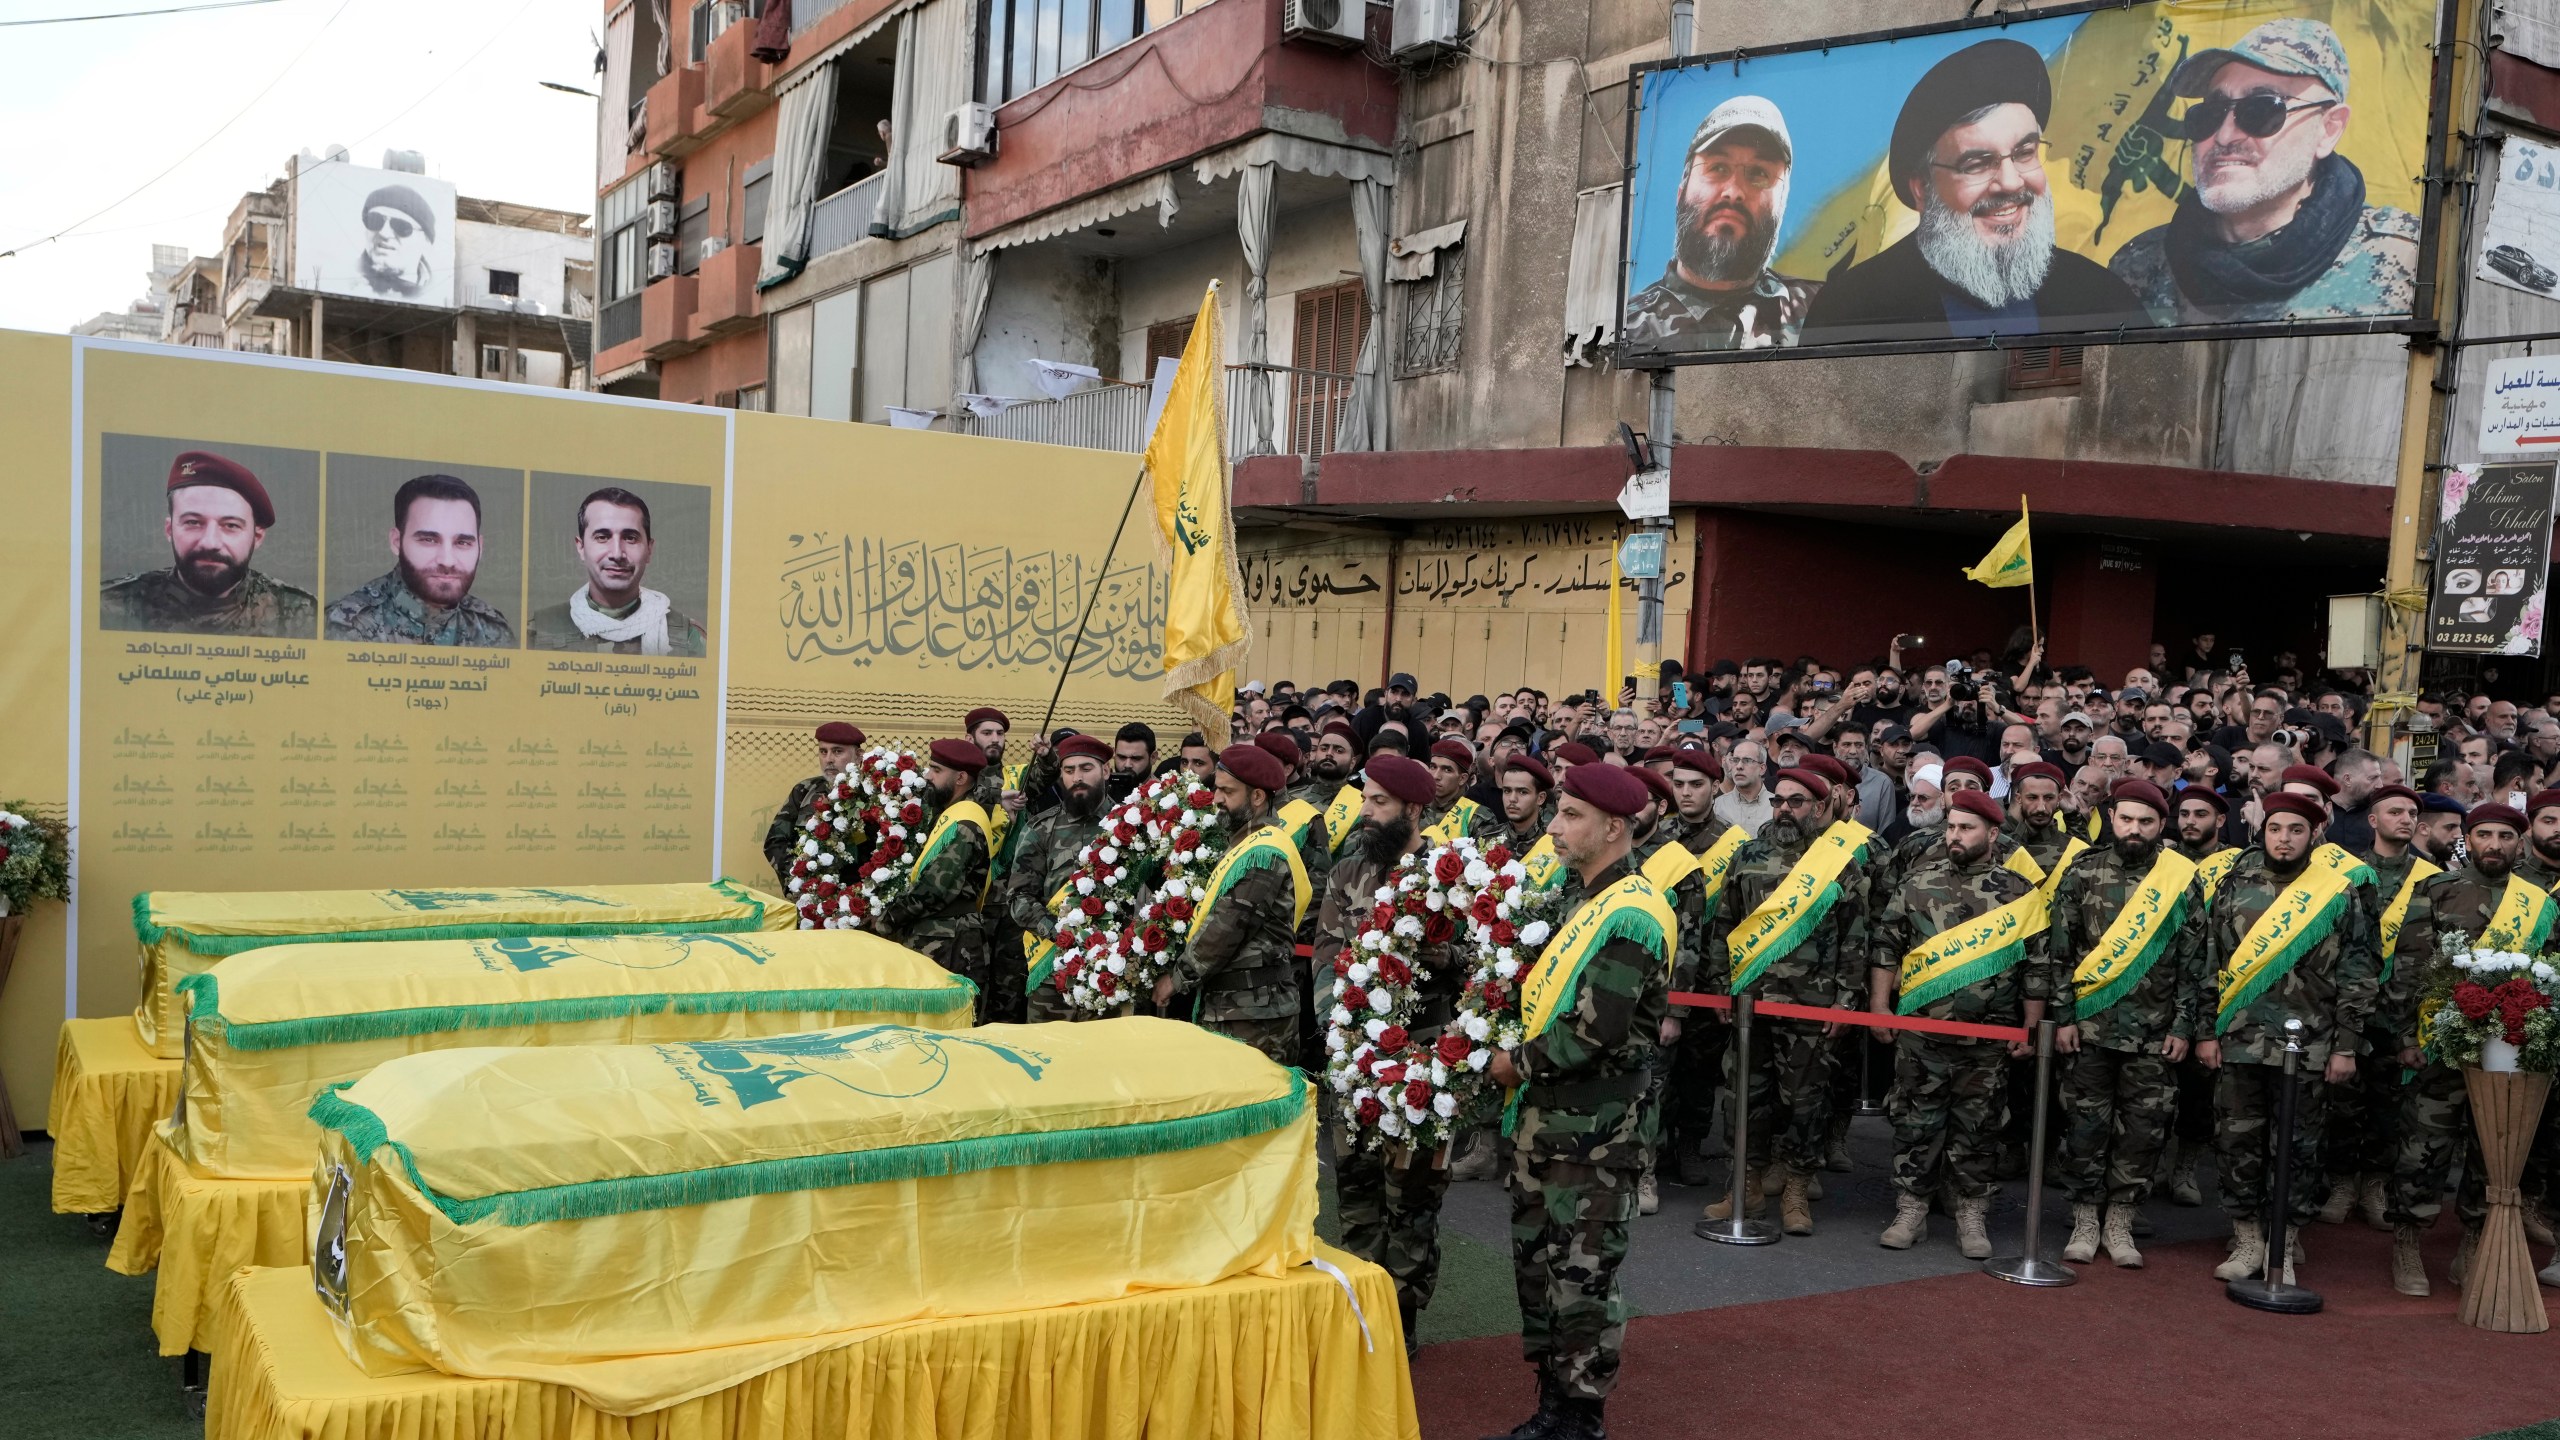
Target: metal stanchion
x,y
2030,1267
1866,1103
2269,1290
1739,1228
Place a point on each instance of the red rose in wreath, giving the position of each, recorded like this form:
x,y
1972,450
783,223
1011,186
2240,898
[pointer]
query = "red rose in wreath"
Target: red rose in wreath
x,y
1392,1038
1093,905
1450,867
1453,1048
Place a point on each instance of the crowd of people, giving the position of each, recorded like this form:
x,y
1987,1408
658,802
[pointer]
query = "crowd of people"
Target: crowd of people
x,y
1994,844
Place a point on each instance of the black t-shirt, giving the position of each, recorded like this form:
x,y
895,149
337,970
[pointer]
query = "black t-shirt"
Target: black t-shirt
x,y
1982,745
1866,713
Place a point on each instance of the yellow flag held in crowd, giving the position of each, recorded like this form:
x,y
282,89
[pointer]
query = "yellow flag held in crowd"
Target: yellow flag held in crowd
x,y
1205,638
2012,561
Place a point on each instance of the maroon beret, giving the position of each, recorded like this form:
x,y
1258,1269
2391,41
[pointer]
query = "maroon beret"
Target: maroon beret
x,y
1978,802
2480,815
2207,794
837,732
1655,781
2140,792
2287,802
1574,752
1343,729
1407,779
203,467
2540,798
1611,788
1967,765
1528,765
1455,752
1702,761
2042,770
2403,792
2311,775
1660,752
959,755
982,715
1086,746
1812,781
1828,768
1282,748
1254,766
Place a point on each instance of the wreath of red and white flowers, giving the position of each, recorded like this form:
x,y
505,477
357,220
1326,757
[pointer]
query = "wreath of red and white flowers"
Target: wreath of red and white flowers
x,y
1135,891
858,850
1388,1086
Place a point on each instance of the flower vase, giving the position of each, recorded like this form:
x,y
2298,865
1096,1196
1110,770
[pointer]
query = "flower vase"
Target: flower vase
x,y
11,1144
2498,1057
2499,1292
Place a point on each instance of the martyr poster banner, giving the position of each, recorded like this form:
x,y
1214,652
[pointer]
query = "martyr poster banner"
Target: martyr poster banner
x,y
2492,560
2178,169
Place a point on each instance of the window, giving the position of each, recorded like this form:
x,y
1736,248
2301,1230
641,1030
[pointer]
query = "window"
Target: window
x,y
618,220
750,397
710,17
2044,367
1165,341
693,226
1331,324
751,201
506,283
1025,44
494,365
885,342
1434,316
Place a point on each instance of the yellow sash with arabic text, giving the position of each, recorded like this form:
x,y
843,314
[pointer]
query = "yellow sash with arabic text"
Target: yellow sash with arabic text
x,y
1544,865
2041,898
1252,853
962,812
1667,872
1341,816
1459,821
2299,919
1629,909
2211,869
2134,939
2388,933
1294,818
1964,954
1780,923
2522,920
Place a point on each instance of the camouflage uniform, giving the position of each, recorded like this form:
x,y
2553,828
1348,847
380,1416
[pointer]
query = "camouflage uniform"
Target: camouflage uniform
x,y
1693,1068
554,628
2195,1130
1945,1102
1767,313
1577,1149
2362,1126
1001,941
160,600
1042,860
937,914
2435,1108
2120,1093
1389,1200
2331,989
782,837
1242,959
1790,1082
2375,274
384,609
2044,842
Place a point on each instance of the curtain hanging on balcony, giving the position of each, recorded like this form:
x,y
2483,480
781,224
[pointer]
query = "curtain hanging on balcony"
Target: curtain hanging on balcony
x,y
613,106
977,282
799,155
1253,231
1591,274
1364,421
922,190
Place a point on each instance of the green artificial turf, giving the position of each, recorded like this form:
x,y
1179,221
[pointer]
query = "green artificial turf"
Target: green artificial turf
x,y
75,1338
1474,1297
2547,1430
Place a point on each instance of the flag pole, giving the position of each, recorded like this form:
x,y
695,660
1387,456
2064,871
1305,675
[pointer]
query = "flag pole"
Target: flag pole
x,y
1102,574
2035,632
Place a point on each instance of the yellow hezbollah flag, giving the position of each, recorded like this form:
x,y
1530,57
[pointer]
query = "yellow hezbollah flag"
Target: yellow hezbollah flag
x,y
2012,561
648,1223
1205,638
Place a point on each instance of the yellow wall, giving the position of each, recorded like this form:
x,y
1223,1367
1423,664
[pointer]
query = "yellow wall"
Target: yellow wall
x,y
35,679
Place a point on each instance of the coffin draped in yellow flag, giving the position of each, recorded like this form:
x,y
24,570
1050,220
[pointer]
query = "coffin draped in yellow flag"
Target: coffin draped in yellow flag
x,y
2012,561
1205,638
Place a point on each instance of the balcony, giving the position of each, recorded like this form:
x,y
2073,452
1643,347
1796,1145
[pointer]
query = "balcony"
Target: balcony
x,y
244,296
666,318
726,288
846,216
618,323
736,84
1306,406
675,119
1129,115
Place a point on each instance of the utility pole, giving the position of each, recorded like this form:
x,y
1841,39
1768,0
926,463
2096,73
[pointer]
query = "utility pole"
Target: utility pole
x,y
2461,74
1660,394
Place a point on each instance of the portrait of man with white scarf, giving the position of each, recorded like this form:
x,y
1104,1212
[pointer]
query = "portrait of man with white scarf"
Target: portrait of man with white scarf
x,y
613,611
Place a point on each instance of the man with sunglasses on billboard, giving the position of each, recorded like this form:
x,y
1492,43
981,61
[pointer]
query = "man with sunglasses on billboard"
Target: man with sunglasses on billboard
x,y
1968,153
399,236
1718,292
2275,225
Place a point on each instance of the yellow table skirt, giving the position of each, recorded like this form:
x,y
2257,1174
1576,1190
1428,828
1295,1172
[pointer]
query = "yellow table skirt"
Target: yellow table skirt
x,y
1248,1357
108,1091
196,1230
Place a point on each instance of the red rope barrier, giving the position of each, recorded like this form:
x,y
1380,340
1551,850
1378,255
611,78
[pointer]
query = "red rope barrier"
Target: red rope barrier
x,y
1867,1018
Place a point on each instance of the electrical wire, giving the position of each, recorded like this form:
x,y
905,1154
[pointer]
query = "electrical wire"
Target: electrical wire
x,y
198,147
132,14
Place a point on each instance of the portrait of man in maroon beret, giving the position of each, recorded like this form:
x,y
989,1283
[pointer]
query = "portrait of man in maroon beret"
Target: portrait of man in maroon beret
x,y
218,512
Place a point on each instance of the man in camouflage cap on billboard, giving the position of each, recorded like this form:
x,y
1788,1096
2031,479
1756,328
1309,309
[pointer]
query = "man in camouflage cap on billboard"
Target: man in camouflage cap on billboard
x,y
219,515
1718,292
2275,225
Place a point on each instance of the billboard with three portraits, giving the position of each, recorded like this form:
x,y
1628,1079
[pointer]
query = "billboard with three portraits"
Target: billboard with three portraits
x,y
2170,169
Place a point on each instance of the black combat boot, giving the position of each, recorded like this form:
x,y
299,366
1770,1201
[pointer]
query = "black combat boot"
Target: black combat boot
x,y
1541,1426
1578,1419
1412,1315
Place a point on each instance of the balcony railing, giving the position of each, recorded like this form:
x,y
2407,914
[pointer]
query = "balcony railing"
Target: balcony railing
x,y
619,324
845,216
1305,407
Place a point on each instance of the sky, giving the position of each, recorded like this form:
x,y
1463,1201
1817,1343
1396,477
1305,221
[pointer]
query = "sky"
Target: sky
x,y
95,109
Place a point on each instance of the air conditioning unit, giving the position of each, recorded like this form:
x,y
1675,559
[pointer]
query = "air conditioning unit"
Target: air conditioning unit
x,y
662,262
664,178
969,135
1329,22
662,219
1425,29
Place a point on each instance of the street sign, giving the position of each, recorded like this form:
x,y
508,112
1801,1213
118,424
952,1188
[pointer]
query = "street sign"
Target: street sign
x,y
1647,495
1640,555
2520,406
